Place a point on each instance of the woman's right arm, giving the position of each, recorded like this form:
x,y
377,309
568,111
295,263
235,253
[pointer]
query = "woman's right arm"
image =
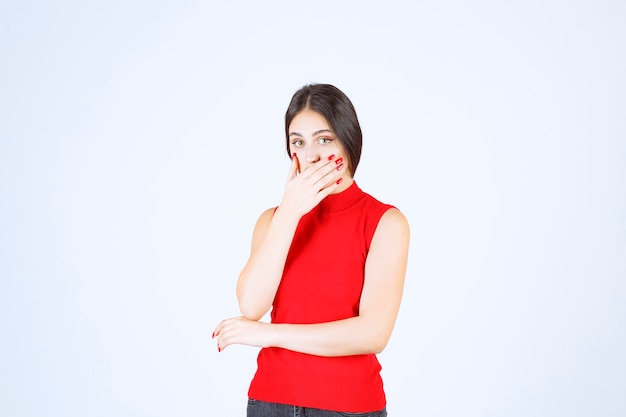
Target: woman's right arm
x,y
261,276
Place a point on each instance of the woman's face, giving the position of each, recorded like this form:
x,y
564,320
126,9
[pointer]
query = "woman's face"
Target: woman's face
x,y
312,139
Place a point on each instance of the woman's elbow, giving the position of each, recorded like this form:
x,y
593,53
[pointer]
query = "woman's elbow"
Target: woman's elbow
x,y
378,340
252,311
378,345
246,305
368,347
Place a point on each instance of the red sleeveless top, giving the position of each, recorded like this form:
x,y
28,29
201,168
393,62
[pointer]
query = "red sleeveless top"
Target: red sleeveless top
x,y
322,282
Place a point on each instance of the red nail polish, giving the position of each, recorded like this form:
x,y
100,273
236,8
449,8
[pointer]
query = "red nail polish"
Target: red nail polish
x,y
218,349
339,180
338,161
340,167
330,158
293,156
212,335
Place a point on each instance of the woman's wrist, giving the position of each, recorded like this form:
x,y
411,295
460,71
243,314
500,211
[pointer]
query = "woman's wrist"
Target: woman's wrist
x,y
286,217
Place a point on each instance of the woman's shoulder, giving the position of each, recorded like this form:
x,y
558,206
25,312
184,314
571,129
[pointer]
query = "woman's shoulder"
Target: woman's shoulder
x,y
393,226
393,217
267,215
262,224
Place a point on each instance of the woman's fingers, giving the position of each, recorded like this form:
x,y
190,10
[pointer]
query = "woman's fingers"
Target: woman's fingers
x,y
238,330
294,169
221,332
326,175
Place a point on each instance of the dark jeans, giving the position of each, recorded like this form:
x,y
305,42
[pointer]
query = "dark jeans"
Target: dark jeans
x,y
264,409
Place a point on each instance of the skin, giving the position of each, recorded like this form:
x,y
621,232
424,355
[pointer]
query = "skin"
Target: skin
x,y
314,174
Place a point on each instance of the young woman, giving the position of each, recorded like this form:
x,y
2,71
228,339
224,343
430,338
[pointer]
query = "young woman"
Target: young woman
x,y
330,262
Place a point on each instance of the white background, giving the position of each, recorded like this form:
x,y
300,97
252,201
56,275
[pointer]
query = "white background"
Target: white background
x,y
139,142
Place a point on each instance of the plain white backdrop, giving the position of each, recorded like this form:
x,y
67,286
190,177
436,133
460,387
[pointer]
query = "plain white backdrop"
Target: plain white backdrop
x,y
139,142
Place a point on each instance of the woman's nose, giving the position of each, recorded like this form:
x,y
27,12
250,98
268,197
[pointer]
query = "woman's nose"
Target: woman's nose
x,y
312,156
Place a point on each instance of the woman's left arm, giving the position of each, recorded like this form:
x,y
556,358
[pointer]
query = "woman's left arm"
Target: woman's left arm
x,y
369,332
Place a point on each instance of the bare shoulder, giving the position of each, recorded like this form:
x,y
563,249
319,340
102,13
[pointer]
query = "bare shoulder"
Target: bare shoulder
x,y
393,222
267,215
262,224
264,221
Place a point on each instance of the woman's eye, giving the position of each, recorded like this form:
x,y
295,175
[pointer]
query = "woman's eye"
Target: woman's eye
x,y
297,143
324,140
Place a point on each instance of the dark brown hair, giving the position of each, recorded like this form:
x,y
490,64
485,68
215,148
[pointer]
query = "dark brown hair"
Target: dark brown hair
x,y
337,109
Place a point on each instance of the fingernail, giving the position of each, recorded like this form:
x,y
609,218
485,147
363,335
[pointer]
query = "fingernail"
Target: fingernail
x,y
338,161
330,158
212,335
293,156
218,349
339,180
340,167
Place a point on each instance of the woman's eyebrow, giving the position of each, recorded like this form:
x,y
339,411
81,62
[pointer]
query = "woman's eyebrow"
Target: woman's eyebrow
x,y
314,134
319,132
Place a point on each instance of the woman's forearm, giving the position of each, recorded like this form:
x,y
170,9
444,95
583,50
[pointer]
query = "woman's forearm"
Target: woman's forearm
x,y
352,336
